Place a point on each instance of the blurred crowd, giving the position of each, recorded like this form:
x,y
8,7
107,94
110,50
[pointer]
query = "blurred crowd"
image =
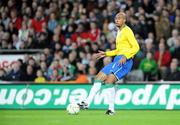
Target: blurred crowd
x,y
70,31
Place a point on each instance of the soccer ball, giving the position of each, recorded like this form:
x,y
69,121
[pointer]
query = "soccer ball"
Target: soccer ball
x,y
73,109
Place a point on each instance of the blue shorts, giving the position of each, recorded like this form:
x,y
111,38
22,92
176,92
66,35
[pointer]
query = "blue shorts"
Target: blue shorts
x,y
118,70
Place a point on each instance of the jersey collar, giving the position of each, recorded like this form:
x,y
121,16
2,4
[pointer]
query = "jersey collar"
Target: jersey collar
x,y
122,26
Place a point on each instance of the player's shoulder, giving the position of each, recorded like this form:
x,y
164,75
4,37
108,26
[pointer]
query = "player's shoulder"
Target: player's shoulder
x,y
127,29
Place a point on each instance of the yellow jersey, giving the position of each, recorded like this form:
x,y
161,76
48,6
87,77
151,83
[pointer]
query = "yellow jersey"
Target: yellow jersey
x,y
40,80
126,43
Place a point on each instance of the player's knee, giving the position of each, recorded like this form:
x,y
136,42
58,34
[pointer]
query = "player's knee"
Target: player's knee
x,y
97,77
109,81
100,76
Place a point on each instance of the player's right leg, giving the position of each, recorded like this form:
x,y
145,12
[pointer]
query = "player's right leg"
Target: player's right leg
x,y
100,77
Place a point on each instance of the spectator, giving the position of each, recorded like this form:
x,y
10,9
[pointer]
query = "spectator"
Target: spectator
x,y
163,58
37,22
92,73
58,32
176,49
15,19
49,56
5,20
81,78
177,18
148,6
149,67
69,31
42,41
11,29
149,47
29,75
44,68
144,29
23,33
94,33
73,58
63,19
165,23
55,65
111,33
70,69
175,60
162,24
175,36
81,75
55,76
66,75
2,74
52,23
172,73
80,32
40,78
57,48
15,73
32,62
67,47
83,58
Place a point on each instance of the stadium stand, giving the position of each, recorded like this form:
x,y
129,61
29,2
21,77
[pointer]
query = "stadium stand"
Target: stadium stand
x,y
68,32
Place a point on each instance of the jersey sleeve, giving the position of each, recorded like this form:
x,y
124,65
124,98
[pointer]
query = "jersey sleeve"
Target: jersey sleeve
x,y
111,53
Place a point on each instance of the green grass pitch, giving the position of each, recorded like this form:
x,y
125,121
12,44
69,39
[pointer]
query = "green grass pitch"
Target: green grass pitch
x,y
89,117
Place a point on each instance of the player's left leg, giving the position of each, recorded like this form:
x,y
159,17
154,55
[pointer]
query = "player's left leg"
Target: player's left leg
x,y
118,72
111,92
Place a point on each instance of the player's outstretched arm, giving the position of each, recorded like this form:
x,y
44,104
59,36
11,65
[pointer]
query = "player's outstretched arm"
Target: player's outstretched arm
x,y
99,55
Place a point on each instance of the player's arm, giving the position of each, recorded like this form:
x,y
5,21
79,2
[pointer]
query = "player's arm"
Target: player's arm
x,y
99,55
135,46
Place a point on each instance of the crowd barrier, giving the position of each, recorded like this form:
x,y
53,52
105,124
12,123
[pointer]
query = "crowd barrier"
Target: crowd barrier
x,y
58,96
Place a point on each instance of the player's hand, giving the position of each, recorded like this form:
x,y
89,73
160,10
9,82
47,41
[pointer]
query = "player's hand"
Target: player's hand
x,y
99,55
122,60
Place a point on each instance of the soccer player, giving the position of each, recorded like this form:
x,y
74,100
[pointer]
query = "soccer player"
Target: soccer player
x,y
126,48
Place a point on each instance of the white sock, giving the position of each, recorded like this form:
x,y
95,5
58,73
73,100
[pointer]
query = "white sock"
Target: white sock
x,y
111,93
95,88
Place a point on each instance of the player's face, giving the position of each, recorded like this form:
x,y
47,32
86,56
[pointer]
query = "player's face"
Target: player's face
x,y
119,20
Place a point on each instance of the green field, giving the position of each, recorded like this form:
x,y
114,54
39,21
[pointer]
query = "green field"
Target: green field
x,y
89,117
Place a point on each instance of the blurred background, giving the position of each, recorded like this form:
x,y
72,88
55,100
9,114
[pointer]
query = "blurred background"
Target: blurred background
x,y
54,40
